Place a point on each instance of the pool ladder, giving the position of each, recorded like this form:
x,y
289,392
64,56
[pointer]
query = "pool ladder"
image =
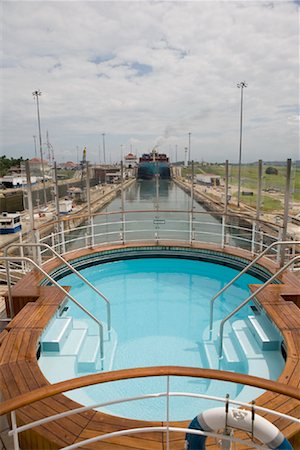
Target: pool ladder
x,y
248,299
9,259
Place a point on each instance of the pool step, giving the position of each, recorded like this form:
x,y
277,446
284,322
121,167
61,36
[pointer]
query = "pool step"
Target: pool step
x,y
210,357
74,342
230,352
246,340
264,333
88,354
56,334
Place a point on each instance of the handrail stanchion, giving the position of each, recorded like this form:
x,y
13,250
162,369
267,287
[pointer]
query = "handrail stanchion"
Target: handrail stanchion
x,y
92,231
253,238
10,302
63,242
223,232
38,248
241,273
22,253
15,430
168,413
52,240
221,330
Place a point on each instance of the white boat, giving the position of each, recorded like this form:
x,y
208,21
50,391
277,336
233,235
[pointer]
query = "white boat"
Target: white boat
x,y
10,223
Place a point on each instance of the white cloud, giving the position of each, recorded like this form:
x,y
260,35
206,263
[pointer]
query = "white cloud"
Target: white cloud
x,y
148,72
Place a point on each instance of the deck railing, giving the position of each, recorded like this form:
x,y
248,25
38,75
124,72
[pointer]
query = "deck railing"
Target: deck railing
x,y
11,406
182,226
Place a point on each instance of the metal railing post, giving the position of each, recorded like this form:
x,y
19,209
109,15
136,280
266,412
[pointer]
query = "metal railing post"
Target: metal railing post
x,y
38,249
63,242
192,203
92,231
253,238
52,240
15,431
286,208
22,253
223,232
122,204
168,414
10,302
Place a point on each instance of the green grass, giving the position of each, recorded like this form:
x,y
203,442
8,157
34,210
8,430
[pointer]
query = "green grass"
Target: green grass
x,y
249,181
249,176
268,203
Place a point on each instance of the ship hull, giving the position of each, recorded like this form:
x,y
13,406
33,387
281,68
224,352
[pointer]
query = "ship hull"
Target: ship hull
x,y
148,170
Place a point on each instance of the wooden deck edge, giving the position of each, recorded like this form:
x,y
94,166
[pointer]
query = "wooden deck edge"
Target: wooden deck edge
x,y
290,375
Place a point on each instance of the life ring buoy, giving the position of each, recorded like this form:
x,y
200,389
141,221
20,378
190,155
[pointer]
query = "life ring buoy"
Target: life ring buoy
x,y
215,419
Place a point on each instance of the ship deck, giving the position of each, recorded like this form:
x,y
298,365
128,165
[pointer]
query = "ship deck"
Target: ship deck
x,y
20,373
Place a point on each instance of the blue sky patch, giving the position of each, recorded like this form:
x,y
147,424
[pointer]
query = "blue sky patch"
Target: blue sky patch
x,y
141,69
98,59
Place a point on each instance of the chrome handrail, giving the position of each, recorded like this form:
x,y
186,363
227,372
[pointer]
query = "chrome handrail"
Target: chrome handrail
x,y
221,329
72,269
7,259
212,300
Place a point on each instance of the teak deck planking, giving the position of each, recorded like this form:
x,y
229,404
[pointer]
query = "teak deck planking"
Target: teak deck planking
x,y
19,371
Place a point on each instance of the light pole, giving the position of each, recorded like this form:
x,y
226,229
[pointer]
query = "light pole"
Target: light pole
x,y
35,152
240,85
36,94
103,138
189,159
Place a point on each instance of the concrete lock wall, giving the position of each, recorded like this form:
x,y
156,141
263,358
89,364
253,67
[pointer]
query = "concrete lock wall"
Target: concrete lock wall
x,y
16,200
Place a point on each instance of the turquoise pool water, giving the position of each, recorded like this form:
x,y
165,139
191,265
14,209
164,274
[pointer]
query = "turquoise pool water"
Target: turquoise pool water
x,y
160,316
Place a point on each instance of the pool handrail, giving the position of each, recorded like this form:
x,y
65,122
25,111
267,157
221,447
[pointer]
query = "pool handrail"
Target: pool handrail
x,y
257,291
7,259
61,258
212,300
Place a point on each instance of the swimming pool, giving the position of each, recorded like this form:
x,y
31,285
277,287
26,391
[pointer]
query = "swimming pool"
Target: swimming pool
x,y
160,316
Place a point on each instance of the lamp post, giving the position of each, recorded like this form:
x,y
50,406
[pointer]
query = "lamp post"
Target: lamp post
x,y
241,86
189,158
36,94
103,138
35,152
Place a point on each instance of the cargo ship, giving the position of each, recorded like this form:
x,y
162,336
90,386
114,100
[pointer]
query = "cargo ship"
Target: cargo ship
x,y
153,164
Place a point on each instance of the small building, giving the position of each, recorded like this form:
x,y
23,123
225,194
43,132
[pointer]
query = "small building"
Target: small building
x,y
208,179
10,223
130,161
36,166
106,174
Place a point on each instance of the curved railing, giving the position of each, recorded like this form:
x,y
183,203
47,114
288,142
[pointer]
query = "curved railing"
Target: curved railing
x,y
248,299
251,264
118,227
11,406
7,259
66,263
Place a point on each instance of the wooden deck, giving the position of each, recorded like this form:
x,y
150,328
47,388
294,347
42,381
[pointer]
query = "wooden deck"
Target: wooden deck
x,y
20,374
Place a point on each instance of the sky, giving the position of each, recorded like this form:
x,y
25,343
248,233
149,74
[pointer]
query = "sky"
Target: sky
x,y
146,74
